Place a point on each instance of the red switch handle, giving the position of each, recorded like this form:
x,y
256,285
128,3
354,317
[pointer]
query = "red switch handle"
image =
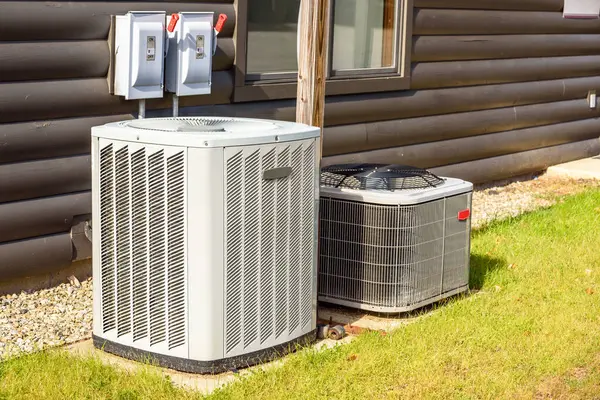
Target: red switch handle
x,y
173,22
464,215
220,22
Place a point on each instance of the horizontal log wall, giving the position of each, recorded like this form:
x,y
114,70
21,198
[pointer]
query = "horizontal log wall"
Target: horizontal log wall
x,y
54,58
473,47
402,132
32,61
433,154
484,22
498,88
33,179
27,101
35,256
517,5
430,75
496,168
37,217
373,107
89,20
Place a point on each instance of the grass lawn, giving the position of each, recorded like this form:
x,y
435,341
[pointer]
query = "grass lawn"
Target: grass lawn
x,y
530,328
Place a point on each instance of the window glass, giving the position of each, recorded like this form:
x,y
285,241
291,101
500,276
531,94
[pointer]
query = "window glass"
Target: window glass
x,y
364,33
272,36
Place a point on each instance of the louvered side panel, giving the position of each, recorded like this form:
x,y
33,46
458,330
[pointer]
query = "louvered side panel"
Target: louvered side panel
x,y
176,249
123,241
156,197
282,245
234,251
456,244
251,247
139,214
269,222
267,251
107,249
308,231
324,286
295,248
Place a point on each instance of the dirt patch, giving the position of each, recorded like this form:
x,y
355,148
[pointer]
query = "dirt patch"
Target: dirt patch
x,y
577,383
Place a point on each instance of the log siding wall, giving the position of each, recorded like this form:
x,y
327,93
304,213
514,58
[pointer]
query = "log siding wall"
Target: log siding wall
x,y
498,88
54,58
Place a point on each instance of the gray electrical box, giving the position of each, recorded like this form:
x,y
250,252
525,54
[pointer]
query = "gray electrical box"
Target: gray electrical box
x,y
139,67
189,53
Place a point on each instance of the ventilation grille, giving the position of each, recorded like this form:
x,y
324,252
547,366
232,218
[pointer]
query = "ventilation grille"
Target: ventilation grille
x,y
199,125
270,252
180,124
142,244
392,256
389,177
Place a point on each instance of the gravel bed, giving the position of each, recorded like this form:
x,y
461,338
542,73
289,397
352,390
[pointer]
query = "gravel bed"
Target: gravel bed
x,y
45,318
507,199
63,314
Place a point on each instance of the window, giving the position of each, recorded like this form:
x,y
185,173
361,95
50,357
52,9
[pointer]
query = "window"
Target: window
x,y
368,47
364,33
272,37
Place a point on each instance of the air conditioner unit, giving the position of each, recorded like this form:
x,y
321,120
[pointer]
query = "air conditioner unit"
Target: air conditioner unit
x,y
392,238
205,246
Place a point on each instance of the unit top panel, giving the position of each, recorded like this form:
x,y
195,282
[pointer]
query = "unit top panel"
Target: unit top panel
x,y
205,131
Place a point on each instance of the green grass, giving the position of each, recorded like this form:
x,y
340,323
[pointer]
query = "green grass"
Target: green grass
x,y
59,375
529,328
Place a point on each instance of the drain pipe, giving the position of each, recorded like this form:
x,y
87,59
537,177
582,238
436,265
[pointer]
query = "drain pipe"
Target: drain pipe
x,y
142,109
175,105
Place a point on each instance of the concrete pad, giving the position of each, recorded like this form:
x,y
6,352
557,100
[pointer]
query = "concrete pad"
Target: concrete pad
x,y
355,321
204,384
587,168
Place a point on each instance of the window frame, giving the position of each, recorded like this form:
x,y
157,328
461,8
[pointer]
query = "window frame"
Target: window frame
x,y
282,85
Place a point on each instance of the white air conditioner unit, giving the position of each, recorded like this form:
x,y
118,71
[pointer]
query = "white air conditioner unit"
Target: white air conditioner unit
x,y
205,245
392,238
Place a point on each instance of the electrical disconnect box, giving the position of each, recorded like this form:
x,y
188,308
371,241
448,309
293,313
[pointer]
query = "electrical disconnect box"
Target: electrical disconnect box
x,y
139,54
191,45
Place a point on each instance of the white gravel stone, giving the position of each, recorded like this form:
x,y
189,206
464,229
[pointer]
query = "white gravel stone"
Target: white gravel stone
x,y
511,198
63,314
49,317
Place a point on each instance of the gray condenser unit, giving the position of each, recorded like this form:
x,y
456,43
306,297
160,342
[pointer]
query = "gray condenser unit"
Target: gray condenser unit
x,y
392,238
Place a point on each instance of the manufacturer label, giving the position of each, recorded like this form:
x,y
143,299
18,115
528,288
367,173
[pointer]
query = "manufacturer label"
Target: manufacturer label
x,y
199,46
150,48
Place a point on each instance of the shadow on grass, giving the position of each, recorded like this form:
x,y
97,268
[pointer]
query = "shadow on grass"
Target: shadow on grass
x,y
481,267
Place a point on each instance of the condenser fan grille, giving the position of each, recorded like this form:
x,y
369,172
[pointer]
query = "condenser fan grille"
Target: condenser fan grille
x,y
181,124
200,125
379,177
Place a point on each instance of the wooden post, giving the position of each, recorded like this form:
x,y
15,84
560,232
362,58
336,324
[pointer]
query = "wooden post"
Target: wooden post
x,y
310,103
312,48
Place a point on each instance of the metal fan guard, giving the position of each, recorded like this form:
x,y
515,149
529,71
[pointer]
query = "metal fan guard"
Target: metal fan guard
x,y
391,177
200,124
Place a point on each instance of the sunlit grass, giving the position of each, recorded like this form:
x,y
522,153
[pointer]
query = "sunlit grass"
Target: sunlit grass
x,y
531,323
60,375
530,327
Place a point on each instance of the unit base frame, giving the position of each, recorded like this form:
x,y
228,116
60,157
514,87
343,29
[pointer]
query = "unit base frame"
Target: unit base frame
x,y
392,310
205,367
